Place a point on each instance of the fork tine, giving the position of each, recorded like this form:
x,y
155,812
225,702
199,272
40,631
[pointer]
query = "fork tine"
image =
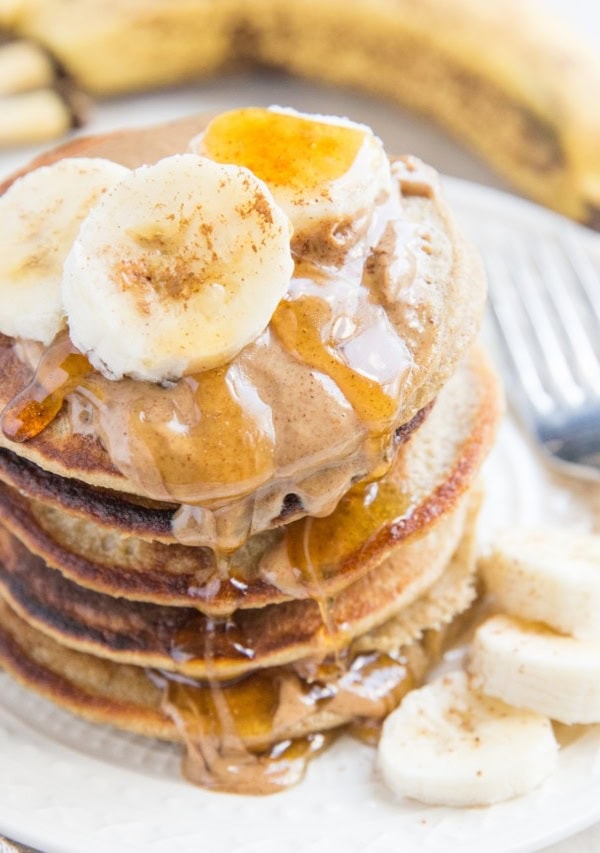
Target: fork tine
x,y
544,308
557,279
586,277
516,351
532,293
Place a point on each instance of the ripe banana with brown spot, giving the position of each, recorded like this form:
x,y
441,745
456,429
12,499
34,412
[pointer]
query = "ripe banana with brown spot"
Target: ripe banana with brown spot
x,y
504,78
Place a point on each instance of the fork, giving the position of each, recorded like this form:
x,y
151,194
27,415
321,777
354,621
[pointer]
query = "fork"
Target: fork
x,y
7,845
544,299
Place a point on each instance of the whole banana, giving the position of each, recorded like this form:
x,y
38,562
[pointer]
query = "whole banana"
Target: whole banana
x,y
503,78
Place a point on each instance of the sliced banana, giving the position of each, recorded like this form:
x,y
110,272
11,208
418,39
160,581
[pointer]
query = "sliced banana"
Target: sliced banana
x,y
176,270
531,667
324,171
40,215
549,576
449,745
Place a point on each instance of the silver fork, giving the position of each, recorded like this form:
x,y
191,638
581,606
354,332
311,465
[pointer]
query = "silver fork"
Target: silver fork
x,y
7,845
544,301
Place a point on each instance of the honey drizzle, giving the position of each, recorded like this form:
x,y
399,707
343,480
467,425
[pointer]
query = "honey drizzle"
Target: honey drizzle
x,y
312,571
210,430
318,547
225,753
60,370
216,719
302,326
274,147
208,717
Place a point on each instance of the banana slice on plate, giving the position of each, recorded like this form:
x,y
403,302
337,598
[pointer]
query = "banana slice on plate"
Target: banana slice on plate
x,y
449,745
549,576
325,172
40,215
529,666
178,268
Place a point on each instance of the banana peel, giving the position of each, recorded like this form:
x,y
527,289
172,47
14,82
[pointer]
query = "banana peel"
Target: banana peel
x,y
505,79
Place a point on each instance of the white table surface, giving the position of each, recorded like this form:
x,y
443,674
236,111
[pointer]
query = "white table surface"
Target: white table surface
x,y
399,130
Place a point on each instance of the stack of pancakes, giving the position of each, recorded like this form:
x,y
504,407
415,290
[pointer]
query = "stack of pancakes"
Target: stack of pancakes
x,y
251,655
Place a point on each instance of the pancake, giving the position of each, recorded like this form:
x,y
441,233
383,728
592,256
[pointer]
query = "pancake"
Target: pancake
x,y
433,470
249,557
454,592
184,640
131,697
435,316
130,515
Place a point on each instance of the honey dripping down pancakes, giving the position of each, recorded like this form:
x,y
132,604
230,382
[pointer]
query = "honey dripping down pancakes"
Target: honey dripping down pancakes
x,y
243,416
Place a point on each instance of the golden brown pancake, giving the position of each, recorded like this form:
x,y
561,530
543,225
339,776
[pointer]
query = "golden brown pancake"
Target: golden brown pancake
x,y
130,515
111,510
437,323
131,697
182,639
427,480
258,613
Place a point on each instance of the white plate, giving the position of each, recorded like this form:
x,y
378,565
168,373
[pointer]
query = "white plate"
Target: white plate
x,y
67,786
